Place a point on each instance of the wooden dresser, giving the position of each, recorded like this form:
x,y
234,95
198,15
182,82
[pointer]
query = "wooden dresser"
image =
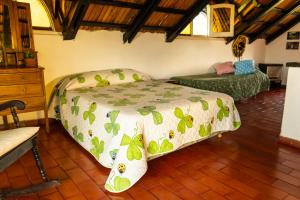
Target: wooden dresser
x,y
27,85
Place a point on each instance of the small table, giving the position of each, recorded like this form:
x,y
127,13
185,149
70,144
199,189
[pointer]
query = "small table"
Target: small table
x,y
273,70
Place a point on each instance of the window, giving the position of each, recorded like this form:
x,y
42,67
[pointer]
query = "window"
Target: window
x,y
39,16
198,26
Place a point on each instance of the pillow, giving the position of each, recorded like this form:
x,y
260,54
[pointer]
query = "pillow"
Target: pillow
x,y
105,77
244,67
224,68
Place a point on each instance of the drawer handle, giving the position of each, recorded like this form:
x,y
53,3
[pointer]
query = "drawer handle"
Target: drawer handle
x,y
23,77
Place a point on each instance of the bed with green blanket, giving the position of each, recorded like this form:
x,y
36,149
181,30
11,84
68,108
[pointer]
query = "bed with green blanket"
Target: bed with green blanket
x,y
237,86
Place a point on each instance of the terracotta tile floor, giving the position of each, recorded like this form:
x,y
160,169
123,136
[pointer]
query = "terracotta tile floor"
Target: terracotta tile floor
x,y
243,165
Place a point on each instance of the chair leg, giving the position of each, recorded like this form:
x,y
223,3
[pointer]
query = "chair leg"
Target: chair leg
x,y
34,188
38,160
28,190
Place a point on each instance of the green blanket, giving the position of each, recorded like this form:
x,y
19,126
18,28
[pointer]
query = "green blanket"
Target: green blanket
x,y
237,86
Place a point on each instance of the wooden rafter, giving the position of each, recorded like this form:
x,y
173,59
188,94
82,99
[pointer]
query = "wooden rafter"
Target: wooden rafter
x,y
75,16
55,22
267,27
124,4
244,5
284,28
245,25
139,20
192,13
120,26
56,8
73,19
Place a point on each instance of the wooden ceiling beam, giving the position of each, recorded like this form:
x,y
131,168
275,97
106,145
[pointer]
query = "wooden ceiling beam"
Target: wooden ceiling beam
x,y
244,5
139,20
120,26
124,4
185,20
75,16
245,25
285,28
239,9
268,26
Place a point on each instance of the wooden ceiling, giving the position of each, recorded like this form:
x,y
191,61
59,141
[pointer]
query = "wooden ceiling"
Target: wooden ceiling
x,y
256,19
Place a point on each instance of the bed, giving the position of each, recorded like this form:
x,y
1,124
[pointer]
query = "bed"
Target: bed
x,y
123,118
238,86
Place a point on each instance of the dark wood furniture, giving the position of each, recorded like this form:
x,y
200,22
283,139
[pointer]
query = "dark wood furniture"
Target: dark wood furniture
x,y
19,150
273,70
27,85
16,32
293,64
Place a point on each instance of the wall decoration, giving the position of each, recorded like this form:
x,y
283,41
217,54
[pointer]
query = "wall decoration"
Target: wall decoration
x,y
238,46
292,45
293,35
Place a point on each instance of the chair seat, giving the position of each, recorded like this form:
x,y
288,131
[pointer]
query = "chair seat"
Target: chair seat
x,y
9,139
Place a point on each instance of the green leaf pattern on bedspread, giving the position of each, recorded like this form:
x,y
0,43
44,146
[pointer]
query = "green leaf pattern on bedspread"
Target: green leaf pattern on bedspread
x,y
185,120
89,114
66,125
146,110
155,148
63,99
77,136
119,72
112,127
122,102
134,145
75,108
101,81
205,130
224,110
85,90
98,147
136,77
197,99
80,78
168,94
125,125
119,184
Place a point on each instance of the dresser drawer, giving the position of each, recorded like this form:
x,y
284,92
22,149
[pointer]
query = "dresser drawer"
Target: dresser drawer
x,y
31,104
20,78
21,90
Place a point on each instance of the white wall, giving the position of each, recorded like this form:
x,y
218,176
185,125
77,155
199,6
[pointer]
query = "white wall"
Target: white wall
x,y
276,52
147,53
291,120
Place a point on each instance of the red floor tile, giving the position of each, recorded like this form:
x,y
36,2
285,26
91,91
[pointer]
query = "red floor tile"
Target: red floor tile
x,y
247,164
211,195
90,190
53,196
164,193
68,188
66,163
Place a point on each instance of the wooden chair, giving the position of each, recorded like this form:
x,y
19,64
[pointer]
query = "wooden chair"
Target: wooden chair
x,y
14,143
